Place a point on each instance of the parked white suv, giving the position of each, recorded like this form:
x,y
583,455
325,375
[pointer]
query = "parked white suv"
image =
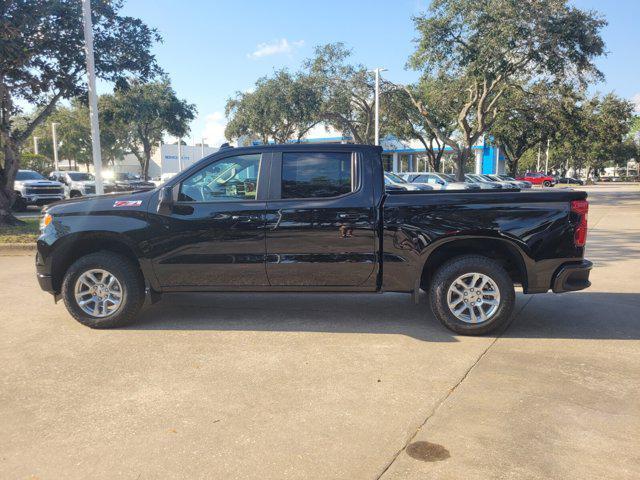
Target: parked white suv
x,y
79,184
31,188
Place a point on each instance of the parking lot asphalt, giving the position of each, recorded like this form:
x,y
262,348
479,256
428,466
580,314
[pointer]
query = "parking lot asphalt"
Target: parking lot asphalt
x,y
330,386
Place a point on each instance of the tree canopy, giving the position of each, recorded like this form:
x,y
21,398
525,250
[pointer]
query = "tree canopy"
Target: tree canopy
x,y
141,113
42,61
487,48
529,116
281,108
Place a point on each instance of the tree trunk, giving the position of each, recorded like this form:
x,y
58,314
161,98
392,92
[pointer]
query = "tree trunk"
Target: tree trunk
x,y
7,178
462,156
147,159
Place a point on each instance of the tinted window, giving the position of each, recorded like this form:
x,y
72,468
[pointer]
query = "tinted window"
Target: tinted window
x,y
231,178
316,175
28,175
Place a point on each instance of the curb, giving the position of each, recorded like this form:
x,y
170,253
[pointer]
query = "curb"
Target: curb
x,y
7,249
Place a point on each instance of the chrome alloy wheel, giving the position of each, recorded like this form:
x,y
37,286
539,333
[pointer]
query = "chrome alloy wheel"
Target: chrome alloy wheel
x,y
98,293
473,298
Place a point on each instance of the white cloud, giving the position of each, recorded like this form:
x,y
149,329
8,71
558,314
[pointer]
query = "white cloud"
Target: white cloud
x,y
636,101
214,126
275,48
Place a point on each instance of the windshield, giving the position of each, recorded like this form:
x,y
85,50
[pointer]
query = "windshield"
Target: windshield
x,y
395,178
28,175
505,177
448,177
80,177
486,178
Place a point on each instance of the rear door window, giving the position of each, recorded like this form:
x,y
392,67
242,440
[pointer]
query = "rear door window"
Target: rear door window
x,y
317,174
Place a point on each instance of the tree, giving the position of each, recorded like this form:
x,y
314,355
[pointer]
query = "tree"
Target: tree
x,y
596,135
530,115
42,61
486,48
142,113
74,134
281,108
403,120
347,92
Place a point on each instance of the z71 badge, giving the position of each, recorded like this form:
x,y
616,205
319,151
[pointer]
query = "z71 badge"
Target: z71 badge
x,y
127,203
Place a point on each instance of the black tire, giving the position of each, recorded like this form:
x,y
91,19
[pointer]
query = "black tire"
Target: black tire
x,y
457,267
75,194
546,183
127,274
19,204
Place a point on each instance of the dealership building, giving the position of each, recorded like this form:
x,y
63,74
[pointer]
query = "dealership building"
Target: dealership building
x,y
398,156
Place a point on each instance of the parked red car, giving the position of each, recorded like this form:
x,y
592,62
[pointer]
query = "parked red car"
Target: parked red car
x,y
538,178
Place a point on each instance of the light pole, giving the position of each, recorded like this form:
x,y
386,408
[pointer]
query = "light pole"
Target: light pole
x,y
35,145
377,99
546,160
180,154
54,134
202,147
93,98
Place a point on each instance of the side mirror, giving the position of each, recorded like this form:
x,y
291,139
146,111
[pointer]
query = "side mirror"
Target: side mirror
x,y
165,201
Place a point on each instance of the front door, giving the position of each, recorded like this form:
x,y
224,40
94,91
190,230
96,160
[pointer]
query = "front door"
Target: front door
x,y
320,220
215,236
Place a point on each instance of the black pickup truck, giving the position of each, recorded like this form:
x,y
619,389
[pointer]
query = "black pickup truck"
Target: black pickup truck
x,y
309,218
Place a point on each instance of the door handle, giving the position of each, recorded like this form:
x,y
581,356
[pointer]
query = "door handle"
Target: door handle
x,y
348,216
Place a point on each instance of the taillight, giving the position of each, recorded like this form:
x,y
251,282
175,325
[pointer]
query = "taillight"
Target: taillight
x,y
580,208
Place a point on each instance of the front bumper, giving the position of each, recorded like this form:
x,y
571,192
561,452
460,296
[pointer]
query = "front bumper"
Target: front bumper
x,y
42,199
571,277
46,282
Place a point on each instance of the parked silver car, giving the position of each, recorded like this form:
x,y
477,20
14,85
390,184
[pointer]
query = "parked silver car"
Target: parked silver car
x,y
507,178
394,182
483,183
442,181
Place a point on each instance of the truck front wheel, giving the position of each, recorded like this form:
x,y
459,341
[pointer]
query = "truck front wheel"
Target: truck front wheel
x,y
103,290
472,295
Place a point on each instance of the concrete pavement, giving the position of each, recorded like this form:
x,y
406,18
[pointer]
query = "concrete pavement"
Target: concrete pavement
x,y
330,386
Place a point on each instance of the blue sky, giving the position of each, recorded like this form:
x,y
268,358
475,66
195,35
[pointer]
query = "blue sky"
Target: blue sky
x,y
212,49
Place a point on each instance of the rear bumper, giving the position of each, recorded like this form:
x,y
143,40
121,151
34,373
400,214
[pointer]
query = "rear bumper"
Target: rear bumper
x,y
571,277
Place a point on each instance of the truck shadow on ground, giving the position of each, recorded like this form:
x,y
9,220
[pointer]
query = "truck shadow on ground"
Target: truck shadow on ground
x,y
608,246
583,315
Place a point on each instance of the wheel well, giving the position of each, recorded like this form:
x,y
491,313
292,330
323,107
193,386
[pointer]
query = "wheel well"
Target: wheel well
x,y
498,250
77,248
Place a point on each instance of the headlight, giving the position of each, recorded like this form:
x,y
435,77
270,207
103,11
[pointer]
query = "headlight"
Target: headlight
x,y
45,220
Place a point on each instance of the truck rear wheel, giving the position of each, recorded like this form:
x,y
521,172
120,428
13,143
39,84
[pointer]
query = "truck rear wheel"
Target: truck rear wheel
x,y
103,290
472,295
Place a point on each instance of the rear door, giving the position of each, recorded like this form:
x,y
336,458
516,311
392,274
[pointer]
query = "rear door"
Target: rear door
x,y
320,219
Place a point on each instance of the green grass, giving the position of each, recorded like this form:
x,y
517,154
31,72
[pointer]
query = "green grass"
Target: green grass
x,y
26,233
